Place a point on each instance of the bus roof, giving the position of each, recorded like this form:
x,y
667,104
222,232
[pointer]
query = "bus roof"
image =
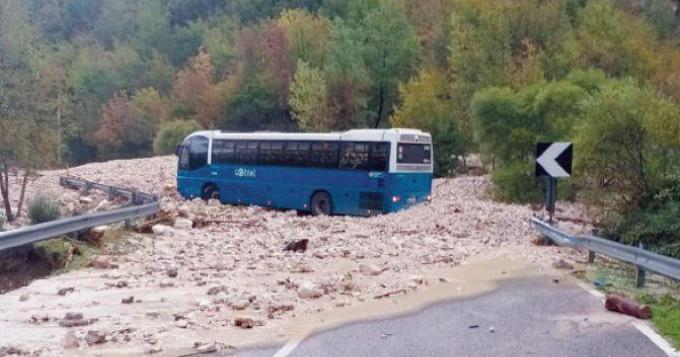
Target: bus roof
x,y
351,135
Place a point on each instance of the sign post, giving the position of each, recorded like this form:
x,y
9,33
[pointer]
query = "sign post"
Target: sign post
x,y
553,161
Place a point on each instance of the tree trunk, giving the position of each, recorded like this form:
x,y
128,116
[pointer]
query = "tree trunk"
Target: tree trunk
x,y
24,183
4,191
380,107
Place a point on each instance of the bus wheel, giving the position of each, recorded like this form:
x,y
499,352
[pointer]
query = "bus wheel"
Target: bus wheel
x,y
321,204
211,192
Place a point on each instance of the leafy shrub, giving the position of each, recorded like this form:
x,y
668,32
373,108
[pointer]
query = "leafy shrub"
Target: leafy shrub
x,y
655,224
516,183
43,209
171,134
2,222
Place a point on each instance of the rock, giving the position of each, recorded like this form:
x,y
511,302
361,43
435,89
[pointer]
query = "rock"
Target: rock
x,y
166,284
307,290
172,273
122,284
184,223
64,291
562,264
101,262
76,323
73,316
71,340
244,322
128,300
418,279
491,329
94,338
160,229
370,269
203,303
205,347
153,315
24,297
216,289
39,318
85,200
151,350
299,246
103,205
182,323
240,304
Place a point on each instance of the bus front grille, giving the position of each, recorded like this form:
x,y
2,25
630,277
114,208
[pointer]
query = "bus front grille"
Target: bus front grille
x,y
371,201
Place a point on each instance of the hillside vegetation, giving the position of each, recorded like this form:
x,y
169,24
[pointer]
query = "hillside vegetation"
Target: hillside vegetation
x,y
84,80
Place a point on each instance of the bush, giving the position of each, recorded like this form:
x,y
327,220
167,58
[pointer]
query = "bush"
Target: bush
x,y
171,134
43,209
2,222
516,183
655,224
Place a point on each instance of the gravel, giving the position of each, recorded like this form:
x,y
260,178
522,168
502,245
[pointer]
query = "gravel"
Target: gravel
x,y
236,254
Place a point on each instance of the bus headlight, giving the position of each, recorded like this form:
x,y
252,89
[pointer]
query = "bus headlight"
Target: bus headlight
x,y
396,199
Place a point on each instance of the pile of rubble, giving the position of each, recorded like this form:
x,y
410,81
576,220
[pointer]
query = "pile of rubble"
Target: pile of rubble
x,y
218,270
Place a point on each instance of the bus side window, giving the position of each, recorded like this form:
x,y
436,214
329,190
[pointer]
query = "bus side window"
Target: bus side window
x,y
222,151
198,152
251,153
354,156
324,155
302,153
378,157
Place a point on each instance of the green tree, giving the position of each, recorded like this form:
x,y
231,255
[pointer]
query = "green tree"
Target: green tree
x,y
171,134
627,143
425,105
309,99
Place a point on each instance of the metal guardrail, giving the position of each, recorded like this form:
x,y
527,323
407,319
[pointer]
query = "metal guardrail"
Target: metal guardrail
x,y
141,205
642,259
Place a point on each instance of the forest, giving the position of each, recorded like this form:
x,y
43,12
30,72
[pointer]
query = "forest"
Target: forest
x,y
88,80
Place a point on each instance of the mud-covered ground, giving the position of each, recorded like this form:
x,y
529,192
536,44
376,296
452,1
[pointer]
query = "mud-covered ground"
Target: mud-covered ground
x,y
217,277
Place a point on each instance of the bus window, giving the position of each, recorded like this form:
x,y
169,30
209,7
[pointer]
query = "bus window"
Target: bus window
x,y
270,152
246,152
222,151
324,154
414,154
296,153
198,152
184,156
378,157
354,156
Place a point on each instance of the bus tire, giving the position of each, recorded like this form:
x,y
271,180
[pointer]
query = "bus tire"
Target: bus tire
x,y
210,192
321,204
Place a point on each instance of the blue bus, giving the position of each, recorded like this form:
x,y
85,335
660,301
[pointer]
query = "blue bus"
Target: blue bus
x,y
358,172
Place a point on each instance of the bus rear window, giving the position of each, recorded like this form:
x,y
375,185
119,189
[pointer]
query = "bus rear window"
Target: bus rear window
x,y
414,154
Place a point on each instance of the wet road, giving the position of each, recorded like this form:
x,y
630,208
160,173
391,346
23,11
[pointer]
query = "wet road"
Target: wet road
x,y
530,317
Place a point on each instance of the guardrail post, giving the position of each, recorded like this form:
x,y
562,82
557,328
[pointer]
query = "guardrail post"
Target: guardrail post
x,y
591,257
640,277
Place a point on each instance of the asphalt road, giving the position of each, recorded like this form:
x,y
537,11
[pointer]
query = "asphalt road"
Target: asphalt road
x,y
533,317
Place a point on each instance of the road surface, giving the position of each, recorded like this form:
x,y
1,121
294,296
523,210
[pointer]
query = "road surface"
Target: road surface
x,y
526,317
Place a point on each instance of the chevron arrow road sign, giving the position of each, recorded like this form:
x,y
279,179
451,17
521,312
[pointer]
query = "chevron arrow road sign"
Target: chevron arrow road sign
x,y
554,159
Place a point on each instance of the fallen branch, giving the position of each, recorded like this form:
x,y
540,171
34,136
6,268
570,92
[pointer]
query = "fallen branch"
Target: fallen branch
x,y
390,293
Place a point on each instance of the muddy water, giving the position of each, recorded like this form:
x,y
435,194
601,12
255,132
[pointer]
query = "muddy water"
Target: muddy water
x,y
477,276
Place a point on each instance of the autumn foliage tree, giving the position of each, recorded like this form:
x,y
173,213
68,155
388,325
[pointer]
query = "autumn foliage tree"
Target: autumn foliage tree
x,y
196,89
309,99
123,132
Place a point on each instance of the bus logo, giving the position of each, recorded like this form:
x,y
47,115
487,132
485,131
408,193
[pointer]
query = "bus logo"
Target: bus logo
x,y
242,172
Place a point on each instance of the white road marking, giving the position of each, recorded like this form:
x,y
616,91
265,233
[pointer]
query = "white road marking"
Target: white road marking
x,y
288,348
642,326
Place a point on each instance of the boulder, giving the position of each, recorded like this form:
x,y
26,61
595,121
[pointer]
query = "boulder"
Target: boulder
x,y
184,223
94,338
370,269
71,340
308,290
